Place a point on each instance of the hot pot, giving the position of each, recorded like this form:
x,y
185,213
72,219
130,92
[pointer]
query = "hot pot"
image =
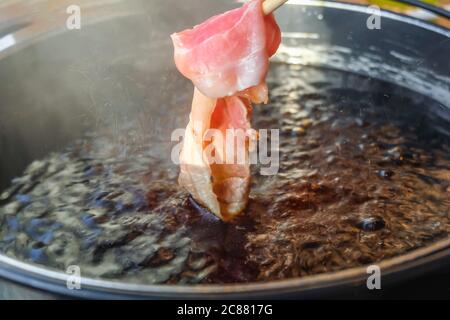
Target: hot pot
x,y
47,87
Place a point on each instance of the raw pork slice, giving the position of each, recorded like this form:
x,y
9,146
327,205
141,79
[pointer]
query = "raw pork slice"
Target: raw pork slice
x,y
229,52
217,184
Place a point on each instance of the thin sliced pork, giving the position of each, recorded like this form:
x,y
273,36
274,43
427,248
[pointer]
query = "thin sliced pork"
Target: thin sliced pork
x,y
227,59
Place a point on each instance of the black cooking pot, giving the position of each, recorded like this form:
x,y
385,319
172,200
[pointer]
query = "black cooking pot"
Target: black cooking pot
x,y
56,84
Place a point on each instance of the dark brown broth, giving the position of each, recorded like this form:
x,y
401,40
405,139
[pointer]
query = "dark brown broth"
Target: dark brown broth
x,y
364,176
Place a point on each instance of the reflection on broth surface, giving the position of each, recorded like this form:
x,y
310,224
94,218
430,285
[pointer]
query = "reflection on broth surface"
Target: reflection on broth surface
x,y
364,175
